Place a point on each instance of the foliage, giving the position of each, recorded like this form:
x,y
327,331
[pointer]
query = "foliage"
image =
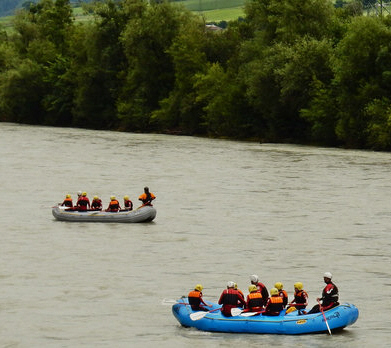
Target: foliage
x,y
306,72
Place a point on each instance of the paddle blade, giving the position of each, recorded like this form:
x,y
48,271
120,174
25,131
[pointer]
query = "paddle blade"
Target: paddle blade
x,y
249,314
236,311
198,315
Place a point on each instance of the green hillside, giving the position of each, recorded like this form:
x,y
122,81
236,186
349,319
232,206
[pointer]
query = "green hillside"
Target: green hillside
x,y
208,5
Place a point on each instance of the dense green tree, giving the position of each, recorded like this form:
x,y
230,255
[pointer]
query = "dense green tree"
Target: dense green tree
x,y
21,90
362,69
150,73
99,60
180,109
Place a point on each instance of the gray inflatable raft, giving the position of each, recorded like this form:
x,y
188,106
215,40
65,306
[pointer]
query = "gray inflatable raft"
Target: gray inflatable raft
x,y
141,214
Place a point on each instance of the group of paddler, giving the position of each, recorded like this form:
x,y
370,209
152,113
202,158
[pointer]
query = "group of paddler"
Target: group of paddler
x,y
83,202
258,300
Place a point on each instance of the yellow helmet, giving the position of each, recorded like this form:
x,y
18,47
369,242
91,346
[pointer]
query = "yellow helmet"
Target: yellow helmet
x,y
252,288
273,291
84,194
198,287
126,198
298,286
96,198
68,196
112,198
278,286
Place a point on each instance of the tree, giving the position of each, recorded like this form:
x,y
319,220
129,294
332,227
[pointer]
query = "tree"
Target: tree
x,y
150,73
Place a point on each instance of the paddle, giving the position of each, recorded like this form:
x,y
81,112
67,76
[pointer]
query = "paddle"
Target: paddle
x,y
200,315
324,316
238,311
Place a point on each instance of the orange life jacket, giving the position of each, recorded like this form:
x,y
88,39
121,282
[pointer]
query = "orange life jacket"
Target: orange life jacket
x,y
274,306
67,202
114,205
194,298
254,301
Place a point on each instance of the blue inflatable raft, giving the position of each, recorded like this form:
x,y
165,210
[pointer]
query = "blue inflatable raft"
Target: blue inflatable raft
x,y
289,324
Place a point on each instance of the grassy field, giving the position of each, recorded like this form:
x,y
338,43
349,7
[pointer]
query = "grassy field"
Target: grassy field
x,y
211,10
209,5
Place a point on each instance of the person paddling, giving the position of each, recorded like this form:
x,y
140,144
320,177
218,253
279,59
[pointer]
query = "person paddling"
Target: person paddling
x,y
128,204
329,295
83,202
113,205
195,299
280,287
254,299
274,303
67,201
300,301
96,203
230,298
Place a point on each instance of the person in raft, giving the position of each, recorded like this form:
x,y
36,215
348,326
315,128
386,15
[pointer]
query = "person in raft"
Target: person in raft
x,y
300,301
329,295
67,201
113,205
96,203
274,303
261,287
195,299
128,204
83,202
280,287
230,298
147,197
254,299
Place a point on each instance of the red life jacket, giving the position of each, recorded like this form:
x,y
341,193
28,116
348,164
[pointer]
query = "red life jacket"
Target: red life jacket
x,y
96,204
230,298
83,202
128,204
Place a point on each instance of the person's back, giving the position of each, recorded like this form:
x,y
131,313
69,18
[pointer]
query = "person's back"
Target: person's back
x,y
274,304
254,299
96,203
282,293
128,204
67,201
83,202
230,298
195,299
113,205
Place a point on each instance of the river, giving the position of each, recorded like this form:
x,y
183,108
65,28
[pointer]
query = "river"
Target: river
x,y
225,210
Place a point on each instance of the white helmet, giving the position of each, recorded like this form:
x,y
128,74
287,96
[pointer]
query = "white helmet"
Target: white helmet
x,y
328,275
230,284
254,278
79,193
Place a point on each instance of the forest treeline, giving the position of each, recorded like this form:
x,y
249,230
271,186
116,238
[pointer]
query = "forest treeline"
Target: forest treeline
x,y
291,71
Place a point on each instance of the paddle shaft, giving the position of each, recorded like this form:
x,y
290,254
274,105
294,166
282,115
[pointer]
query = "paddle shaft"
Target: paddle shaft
x,y
324,316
